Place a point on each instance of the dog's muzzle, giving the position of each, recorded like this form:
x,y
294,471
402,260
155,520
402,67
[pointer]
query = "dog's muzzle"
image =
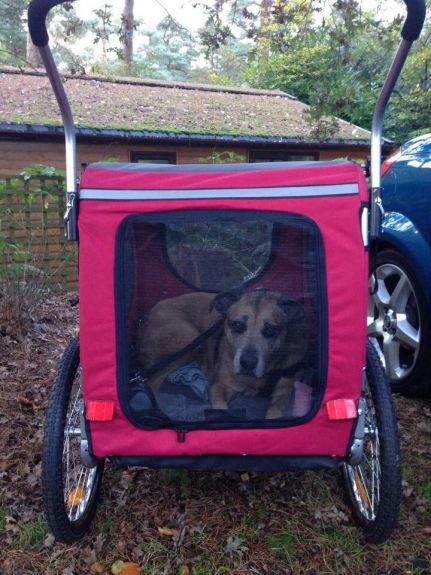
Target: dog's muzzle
x,y
248,362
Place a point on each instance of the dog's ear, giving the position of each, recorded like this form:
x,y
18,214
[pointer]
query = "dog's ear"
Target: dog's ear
x,y
224,300
293,310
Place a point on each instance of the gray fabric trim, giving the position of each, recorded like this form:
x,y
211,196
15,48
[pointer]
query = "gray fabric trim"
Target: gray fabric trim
x,y
236,167
284,192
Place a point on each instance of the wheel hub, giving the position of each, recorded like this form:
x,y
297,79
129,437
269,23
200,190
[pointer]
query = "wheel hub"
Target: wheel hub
x,y
390,321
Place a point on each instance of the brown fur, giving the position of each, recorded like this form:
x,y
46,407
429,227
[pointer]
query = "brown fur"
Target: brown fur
x,y
263,331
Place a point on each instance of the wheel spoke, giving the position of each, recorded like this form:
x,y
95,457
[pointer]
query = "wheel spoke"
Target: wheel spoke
x,y
407,335
391,351
375,328
78,479
365,487
400,295
381,297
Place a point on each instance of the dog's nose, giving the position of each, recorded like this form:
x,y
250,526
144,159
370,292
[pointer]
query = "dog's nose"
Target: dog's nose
x,y
248,360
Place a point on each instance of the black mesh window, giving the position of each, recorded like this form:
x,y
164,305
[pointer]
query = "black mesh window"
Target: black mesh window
x,y
221,319
219,255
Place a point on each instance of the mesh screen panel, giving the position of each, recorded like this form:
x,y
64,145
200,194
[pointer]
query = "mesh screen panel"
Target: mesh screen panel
x,y
221,319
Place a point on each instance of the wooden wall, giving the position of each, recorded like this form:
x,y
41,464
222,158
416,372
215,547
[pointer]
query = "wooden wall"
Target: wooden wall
x,y
16,155
31,212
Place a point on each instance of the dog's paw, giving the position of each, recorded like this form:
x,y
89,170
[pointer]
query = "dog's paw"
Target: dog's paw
x,y
219,404
273,412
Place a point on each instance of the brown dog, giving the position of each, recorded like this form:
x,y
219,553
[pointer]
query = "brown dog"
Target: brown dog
x,y
263,333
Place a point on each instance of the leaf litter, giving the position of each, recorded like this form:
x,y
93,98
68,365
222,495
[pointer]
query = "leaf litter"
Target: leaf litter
x,y
193,522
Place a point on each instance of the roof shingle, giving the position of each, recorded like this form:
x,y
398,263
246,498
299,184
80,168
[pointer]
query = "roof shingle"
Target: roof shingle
x,y
158,106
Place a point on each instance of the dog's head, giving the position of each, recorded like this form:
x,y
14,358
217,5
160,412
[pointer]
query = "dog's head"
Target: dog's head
x,y
257,326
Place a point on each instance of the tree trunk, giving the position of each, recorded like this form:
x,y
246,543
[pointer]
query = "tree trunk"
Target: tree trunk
x,y
32,54
127,27
265,20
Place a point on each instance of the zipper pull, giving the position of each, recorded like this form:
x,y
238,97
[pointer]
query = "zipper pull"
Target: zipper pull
x,y
181,436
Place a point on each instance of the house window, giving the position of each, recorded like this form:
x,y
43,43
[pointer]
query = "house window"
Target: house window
x,y
281,156
154,157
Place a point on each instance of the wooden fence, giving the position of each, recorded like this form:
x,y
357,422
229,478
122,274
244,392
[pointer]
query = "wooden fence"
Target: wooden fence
x,y
32,230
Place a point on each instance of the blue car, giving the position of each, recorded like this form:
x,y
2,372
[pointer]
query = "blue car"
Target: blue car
x,y
399,310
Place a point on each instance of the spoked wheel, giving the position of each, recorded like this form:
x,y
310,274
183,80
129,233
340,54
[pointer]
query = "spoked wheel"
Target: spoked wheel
x,y
70,490
374,485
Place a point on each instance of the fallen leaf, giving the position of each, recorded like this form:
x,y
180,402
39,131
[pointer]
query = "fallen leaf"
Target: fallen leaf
x,y
245,477
26,403
49,540
167,531
183,570
131,569
125,568
97,567
117,567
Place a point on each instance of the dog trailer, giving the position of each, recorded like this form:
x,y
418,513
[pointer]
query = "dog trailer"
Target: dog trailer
x,y
222,323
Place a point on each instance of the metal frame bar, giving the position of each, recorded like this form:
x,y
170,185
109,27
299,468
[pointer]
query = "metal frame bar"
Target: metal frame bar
x,y
70,141
376,135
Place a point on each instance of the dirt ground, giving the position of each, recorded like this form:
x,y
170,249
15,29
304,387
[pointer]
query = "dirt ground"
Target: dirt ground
x,y
180,523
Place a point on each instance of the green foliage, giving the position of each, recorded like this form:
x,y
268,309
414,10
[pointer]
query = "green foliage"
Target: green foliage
x,y
333,56
12,32
65,29
226,157
168,52
338,64
102,24
39,170
29,205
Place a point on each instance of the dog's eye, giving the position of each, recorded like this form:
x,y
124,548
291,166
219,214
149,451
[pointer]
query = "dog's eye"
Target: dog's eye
x,y
238,326
270,330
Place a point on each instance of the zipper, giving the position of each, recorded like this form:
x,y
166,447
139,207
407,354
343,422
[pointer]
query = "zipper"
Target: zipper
x,y
181,435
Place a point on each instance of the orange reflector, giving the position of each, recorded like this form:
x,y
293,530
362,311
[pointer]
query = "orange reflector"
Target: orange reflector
x,y
361,490
100,410
341,409
76,496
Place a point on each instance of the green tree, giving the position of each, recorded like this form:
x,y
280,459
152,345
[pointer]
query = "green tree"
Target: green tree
x,y
168,52
12,32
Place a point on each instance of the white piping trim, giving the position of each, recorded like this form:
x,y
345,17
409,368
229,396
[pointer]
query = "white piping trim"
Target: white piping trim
x,y
365,214
210,194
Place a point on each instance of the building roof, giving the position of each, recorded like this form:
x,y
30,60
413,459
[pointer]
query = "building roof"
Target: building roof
x,y
178,110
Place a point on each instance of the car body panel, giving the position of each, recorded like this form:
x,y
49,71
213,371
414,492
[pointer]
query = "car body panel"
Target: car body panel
x,y
406,200
407,239
400,323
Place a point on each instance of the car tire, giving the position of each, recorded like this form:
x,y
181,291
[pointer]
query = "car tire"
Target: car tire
x,y
399,324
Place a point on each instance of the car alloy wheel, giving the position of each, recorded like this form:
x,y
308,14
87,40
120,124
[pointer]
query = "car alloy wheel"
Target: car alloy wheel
x,y
399,324
393,320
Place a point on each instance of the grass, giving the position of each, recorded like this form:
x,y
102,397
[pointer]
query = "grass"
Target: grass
x,y
283,545
207,567
249,528
157,556
32,534
424,491
4,512
179,478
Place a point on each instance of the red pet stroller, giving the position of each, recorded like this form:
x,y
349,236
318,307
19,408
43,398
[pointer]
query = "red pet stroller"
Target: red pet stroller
x,y
223,323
